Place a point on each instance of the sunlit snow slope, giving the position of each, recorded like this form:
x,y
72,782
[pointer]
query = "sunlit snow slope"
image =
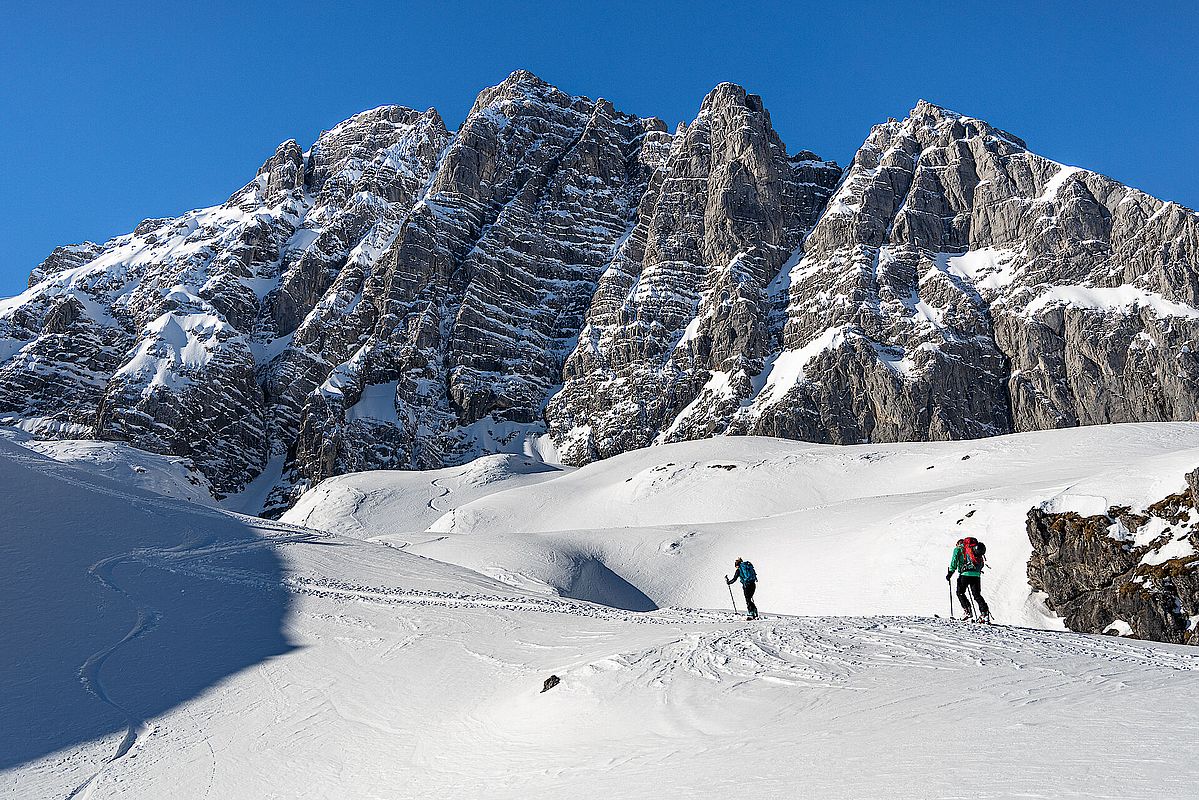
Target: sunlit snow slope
x,y
158,648
831,530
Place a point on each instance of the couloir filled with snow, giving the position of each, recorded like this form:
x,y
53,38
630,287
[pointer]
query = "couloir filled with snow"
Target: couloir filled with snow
x,y
389,637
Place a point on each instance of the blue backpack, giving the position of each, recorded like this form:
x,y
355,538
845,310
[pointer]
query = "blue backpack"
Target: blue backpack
x,y
747,572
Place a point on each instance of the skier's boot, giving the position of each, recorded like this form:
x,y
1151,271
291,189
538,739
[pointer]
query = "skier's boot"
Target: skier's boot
x,y
985,619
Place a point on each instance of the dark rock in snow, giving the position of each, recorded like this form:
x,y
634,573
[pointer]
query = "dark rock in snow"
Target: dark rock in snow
x,y
1130,573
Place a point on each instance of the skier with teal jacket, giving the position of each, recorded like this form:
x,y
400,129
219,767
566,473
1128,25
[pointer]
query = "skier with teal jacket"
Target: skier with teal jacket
x,y
968,561
744,570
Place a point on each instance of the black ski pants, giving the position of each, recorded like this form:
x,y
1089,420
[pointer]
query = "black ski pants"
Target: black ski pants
x,y
975,584
749,598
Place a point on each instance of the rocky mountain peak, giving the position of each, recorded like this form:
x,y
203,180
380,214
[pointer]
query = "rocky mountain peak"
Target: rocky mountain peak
x,y
931,123
526,79
686,298
63,258
728,94
521,88
282,172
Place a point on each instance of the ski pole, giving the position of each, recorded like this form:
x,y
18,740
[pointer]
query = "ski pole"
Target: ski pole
x,y
950,599
729,586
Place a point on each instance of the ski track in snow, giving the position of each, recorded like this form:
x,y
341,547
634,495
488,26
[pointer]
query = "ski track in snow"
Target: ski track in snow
x,y
89,673
796,646
806,652
445,490
146,618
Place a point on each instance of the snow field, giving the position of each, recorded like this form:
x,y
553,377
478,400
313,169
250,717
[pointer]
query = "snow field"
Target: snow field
x,y
231,657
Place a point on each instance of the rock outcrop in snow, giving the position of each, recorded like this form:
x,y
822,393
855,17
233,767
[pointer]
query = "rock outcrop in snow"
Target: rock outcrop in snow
x,y
400,295
1128,572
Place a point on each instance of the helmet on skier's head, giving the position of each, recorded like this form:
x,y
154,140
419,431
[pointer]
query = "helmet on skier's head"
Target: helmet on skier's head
x,y
737,563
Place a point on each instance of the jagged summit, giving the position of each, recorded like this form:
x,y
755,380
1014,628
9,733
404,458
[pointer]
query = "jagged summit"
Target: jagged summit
x,y
523,77
524,87
726,93
386,114
961,125
925,108
400,295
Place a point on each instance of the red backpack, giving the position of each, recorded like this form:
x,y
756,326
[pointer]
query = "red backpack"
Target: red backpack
x,y
973,554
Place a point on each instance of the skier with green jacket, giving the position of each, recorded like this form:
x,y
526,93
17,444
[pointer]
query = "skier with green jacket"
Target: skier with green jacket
x,y
968,561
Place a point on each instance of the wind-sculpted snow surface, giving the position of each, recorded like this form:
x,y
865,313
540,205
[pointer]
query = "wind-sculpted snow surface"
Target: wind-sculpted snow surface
x,y
170,476
392,504
557,272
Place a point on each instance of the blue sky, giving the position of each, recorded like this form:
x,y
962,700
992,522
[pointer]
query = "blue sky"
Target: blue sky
x,y
119,111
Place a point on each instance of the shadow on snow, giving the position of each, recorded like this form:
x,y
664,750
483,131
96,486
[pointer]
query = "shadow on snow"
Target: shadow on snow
x,y
119,605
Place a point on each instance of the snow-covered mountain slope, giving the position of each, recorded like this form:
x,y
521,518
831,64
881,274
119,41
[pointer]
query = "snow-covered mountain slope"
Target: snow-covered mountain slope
x,y
398,503
401,296
172,476
156,648
864,529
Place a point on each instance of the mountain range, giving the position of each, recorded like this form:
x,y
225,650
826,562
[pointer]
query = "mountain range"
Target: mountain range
x,y
561,275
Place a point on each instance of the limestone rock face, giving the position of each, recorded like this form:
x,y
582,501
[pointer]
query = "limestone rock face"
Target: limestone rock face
x,y
955,285
480,296
1127,572
682,316
401,295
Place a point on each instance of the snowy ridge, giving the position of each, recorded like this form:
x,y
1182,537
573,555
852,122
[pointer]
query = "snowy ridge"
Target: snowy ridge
x,y
1109,299
164,475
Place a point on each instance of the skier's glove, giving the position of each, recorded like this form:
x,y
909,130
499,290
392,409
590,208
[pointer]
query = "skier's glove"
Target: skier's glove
x,y
948,576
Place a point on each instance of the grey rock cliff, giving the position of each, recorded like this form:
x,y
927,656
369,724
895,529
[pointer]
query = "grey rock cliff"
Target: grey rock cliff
x,y
481,294
955,285
685,297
